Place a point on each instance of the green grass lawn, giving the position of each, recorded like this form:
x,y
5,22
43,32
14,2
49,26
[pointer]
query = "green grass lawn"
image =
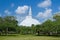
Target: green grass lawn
x,y
28,37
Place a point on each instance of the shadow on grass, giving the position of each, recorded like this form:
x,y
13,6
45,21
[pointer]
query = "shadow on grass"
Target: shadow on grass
x,y
32,35
49,35
10,35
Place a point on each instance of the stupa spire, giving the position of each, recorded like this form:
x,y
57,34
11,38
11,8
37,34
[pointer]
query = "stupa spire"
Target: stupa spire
x,y
30,12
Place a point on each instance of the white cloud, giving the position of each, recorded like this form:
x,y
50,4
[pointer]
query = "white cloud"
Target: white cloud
x,y
48,13
7,12
21,9
59,8
45,15
45,3
19,18
12,4
0,15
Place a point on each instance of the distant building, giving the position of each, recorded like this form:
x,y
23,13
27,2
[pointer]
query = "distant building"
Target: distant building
x,y
28,21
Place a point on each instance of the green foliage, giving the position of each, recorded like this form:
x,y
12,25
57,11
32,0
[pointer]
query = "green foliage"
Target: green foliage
x,y
50,27
8,24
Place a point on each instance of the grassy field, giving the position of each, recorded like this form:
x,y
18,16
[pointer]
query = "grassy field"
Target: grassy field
x,y
28,37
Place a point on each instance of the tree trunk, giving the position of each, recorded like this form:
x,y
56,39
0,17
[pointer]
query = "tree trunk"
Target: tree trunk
x,y
6,32
38,33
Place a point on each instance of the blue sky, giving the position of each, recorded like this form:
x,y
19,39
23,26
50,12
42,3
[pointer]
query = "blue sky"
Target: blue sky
x,y
41,9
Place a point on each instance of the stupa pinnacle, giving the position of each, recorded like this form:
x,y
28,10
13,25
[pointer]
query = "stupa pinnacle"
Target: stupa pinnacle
x,y
30,12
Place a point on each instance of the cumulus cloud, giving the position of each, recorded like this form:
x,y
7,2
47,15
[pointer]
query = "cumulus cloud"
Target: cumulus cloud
x,y
12,4
45,3
19,18
45,15
58,7
0,15
21,9
7,12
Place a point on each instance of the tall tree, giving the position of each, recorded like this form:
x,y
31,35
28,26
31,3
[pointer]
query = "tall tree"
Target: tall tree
x,y
10,23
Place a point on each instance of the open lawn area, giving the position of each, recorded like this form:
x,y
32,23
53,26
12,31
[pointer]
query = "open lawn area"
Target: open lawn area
x,y
28,37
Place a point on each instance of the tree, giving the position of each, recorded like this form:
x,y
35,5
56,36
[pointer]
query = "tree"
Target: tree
x,y
38,29
57,23
48,27
8,23
1,24
33,29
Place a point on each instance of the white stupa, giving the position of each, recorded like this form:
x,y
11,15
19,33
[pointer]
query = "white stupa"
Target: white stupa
x,y
28,21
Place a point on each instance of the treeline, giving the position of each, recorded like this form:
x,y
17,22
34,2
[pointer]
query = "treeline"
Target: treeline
x,y
9,25
50,27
